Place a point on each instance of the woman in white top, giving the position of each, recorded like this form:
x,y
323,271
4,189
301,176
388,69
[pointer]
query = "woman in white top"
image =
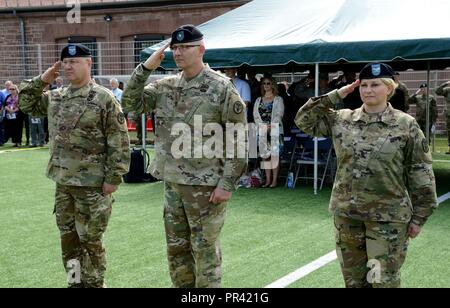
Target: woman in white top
x,y
268,113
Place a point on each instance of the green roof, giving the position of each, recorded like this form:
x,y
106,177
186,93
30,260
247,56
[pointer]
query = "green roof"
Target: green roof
x,y
303,32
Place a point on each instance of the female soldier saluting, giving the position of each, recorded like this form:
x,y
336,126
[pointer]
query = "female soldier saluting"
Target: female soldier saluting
x,y
385,188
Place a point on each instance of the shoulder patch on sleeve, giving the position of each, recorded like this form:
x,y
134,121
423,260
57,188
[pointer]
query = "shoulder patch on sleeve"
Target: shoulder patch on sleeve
x,y
238,107
121,118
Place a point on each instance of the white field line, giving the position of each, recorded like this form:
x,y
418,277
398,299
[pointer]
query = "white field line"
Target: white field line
x,y
303,271
444,197
318,263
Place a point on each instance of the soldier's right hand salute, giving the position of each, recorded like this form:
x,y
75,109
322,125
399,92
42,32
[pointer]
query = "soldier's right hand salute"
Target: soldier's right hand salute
x,y
154,61
51,73
346,90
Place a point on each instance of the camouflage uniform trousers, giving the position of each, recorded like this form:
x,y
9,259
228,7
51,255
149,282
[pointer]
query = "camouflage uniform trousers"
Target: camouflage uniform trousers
x,y
380,245
82,215
193,227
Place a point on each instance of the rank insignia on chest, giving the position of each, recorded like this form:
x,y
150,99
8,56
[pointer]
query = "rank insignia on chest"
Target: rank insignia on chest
x,y
204,87
91,96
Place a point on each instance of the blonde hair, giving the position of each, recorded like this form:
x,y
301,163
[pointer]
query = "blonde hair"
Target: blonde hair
x,y
391,84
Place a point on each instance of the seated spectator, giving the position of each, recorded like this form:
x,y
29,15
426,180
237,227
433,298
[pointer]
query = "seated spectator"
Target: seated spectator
x,y
268,113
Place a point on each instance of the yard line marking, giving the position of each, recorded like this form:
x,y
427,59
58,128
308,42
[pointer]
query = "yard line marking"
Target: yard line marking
x,y
318,263
444,197
441,161
303,271
19,150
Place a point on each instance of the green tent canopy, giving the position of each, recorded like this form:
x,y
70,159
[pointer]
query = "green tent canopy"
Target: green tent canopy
x,y
303,32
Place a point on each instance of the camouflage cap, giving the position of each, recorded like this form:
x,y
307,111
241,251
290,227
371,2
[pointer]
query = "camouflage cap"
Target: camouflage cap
x,y
75,51
186,34
376,70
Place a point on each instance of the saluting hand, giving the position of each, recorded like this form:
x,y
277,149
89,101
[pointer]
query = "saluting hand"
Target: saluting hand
x,y
219,195
51,73
154,61
346,90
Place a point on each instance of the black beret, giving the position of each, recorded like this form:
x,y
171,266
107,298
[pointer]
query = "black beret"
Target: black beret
x,y
186,34
376,70
75,51
423,85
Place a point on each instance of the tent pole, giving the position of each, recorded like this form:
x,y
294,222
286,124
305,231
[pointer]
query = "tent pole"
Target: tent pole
x,y
427,125
316,142
293,75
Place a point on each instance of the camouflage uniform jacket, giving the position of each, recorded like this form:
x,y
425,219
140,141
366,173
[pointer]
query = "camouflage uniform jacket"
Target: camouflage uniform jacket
x,y
384,170
444,90
421,108
176,100
89,142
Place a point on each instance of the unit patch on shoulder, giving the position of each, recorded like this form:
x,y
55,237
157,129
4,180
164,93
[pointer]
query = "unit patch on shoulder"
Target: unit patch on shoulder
x,y
238,107
121,118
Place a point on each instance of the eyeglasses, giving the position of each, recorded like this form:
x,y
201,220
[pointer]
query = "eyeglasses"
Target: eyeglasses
x,y
11,89
182,48
267,83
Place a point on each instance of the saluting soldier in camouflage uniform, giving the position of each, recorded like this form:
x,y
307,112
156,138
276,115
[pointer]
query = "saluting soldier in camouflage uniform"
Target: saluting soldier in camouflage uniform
x,y
89,153
385,187
444,90
196,189
420,100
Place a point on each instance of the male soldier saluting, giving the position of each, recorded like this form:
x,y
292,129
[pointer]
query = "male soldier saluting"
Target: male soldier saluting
x,y
196,189
89,153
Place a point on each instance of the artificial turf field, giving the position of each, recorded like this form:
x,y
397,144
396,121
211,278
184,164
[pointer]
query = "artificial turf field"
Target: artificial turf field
x,y
268,233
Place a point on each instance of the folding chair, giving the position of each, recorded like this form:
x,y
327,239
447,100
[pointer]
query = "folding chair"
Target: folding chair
x,y
325,149
297,150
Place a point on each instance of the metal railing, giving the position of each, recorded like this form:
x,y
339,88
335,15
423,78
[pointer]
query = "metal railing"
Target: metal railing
x,y
19,62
